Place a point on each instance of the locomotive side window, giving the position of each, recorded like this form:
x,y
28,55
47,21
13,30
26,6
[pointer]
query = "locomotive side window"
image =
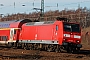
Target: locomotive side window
x,y
14,31
56,27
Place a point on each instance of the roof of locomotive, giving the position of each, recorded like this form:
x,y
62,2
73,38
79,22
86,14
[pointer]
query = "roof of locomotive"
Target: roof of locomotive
x,y
45,23
39,23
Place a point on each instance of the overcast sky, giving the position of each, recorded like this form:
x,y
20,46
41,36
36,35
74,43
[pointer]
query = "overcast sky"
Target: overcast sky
x,y
15,6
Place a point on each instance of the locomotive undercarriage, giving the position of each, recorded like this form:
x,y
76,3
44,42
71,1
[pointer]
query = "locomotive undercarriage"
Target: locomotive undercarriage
x,y
71,47
65,47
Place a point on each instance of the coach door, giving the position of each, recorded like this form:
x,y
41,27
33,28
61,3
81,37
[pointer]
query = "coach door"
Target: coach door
x,y
11,34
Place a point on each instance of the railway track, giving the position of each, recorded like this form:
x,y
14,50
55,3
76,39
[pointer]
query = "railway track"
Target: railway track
x,y
16,54
20,54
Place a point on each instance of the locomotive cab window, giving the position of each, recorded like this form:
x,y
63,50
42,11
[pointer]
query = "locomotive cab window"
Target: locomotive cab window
x,y
56,27
71,27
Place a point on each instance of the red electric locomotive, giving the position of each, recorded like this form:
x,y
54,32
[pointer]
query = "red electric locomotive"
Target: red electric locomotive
x,y
48,35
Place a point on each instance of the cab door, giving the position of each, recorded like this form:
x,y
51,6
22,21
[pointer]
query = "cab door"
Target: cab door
x,y
14,34
11,35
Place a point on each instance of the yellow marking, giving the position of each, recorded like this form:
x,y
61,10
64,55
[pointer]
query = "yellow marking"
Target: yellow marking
x,y
8,28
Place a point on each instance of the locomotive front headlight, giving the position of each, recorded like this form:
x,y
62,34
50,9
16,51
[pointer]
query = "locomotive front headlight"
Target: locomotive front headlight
x,y
76,36
77,41
64,39
66,35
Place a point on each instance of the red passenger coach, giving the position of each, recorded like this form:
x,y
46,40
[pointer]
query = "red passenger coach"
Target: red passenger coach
x,y
9,30
47,35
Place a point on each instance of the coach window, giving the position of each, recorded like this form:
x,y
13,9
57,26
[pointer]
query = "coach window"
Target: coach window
x,y
3,38
56,27
0,38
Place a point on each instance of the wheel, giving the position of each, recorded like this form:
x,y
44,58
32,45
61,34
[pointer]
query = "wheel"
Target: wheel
x,y
49,49
10,44
62,49
56,50
74,50
69,50
78,49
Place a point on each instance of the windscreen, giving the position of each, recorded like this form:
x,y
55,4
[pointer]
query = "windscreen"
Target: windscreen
x,y
71,27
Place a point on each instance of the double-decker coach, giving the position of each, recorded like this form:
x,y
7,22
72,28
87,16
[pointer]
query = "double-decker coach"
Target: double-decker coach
x,y
9,30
